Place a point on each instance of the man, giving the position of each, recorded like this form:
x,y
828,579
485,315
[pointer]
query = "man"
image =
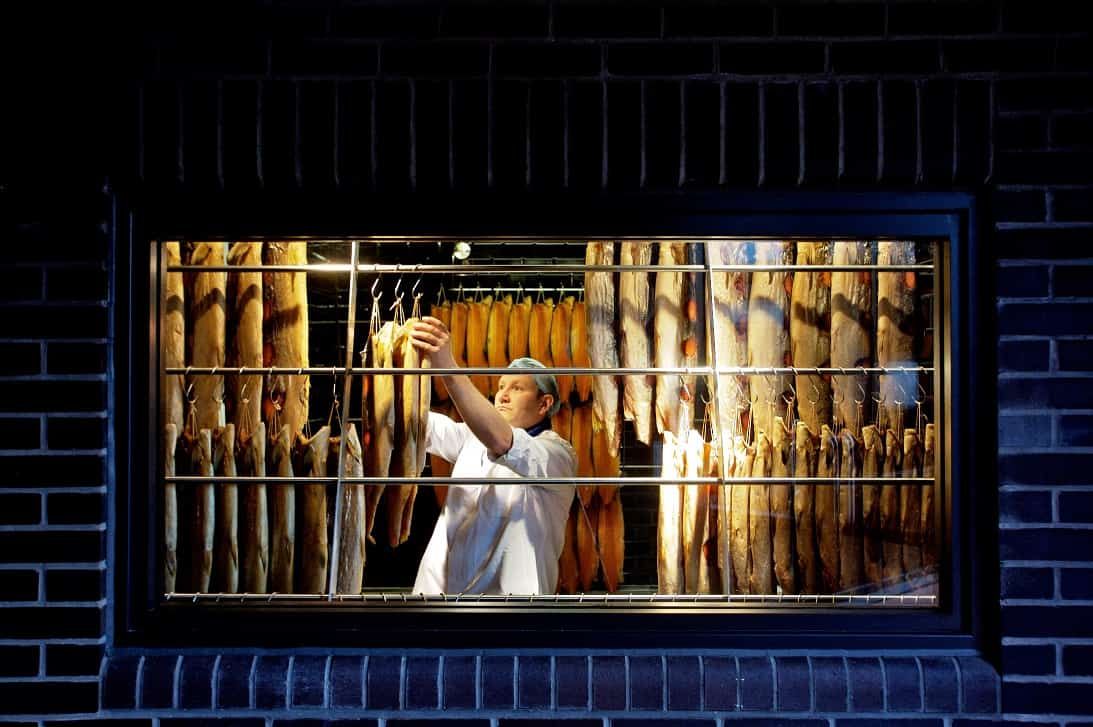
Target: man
x,y
495,538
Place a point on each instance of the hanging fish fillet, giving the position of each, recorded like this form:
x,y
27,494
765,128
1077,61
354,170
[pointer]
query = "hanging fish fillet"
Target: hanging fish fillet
x,y
477,328
708,573
895,337
578,345
562,422
173,355
226,560
599,288
254,558
889,510
568,575
929,527
695,517
739,551
694,311
351,549
729,336
411,417
910,504
760,575
804,510
287,333
849,494
635,346
781,508
519,328
497,334
810,333
668,324
378,420
581,440
443,312
872,466
588,550
204,522
603,463
461,313
314,552
851,328
768,333
560,325
282,515
827,532
170,509
539,332
612,545
208,310
669,516
246,397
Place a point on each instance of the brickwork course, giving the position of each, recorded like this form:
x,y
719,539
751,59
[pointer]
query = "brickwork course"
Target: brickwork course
x,y
297,97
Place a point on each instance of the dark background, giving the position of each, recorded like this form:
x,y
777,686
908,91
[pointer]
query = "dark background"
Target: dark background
x,y
994,98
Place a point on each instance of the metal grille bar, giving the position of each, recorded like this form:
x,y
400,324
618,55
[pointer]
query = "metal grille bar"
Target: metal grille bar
x,y
516,482
560,370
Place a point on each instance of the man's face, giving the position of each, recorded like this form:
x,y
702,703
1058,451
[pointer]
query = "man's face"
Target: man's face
x,y
519,402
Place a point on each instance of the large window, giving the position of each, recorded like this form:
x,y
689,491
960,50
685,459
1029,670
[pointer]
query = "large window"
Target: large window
x,y
756,422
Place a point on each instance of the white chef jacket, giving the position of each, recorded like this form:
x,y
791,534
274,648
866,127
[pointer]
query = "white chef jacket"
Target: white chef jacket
x,y
497,539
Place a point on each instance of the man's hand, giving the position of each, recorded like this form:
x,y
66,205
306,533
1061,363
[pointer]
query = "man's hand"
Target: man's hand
x,y
430,336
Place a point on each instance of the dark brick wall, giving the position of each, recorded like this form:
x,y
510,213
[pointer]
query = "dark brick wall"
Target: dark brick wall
x,y
292,97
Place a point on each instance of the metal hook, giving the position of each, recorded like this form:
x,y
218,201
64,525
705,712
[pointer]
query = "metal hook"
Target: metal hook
x,y
413,290
376,296
864,395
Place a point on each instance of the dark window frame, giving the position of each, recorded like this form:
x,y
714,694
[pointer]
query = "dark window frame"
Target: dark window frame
x,y
969,587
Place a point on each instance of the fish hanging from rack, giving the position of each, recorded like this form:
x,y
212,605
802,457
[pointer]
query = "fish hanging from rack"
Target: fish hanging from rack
x,y
497,333
314,546
443,312
354,539
578,344
282,515
768,334
804,509
173,403
827,534
560,323
519,328
929,470
850,511
378,414
635,345
411,419
602,345
286,336
477,330
781,508
872,466
668,325
226,538
728,338
670,573
851,329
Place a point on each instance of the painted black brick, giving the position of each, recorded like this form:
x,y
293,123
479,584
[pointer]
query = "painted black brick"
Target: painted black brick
x,y
923,18
866,684
580,20
979,683
119,687
271,683
1077,660
20,509
887,57
19,585
53,546
315,148
324,57
829,684
1072,280
435,59
533,682
460,682
1022,281
1072,205
900,138
469,131
18,661
510,124
421,682
772,58
552,60
608,682
684,683
821,133
446,723
887,722
81,283
1074,355
431,131
25,285
1044,167
157,682
756,683
660,59
393,135
195,685
1076,431
781,135
936,109
67,508
1045,544
571,677
646,682
76,358
1057,393
838,20
21,433
1020,207
309,681
387,21
1072,130
1077,583
624,119
498,682
22,358
793,684
1024,431
720,683
1020,132
209,722
860,131
940,684
903,685
983,54
1049,621
1064,698
384,687
662,133
1041,93
73,660
52,470
54,321
52,396
49,697
1024,355
702,20
1027,507
346,681
233,681
547,138
741,134
1059,469
494,21
1049,243
702,132
75,585
974,113
1028,659
1076,507
674,722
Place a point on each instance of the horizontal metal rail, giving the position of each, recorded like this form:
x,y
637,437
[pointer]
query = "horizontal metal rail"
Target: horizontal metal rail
x,y
559,370
398,598
538,481
561,268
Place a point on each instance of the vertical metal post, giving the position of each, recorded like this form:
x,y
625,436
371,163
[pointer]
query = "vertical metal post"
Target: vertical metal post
x,y
722,503
347,386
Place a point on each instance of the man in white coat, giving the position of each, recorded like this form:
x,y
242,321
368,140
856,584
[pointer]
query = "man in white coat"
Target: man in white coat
x,y
496,538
